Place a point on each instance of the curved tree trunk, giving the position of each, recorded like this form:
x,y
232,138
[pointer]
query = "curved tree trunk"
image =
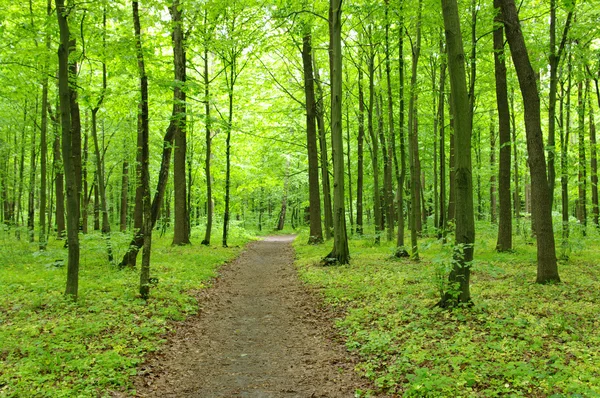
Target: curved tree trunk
x,y
541,210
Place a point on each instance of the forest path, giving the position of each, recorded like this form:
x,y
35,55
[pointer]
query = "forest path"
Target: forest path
x,y
259,333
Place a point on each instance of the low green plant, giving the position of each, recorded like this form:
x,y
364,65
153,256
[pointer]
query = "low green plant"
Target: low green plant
x,y
519,338
53,347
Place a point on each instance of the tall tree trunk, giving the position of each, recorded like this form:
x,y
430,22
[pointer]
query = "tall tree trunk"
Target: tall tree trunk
x,y
84,189
59,186
31,193
340,253
316,231
582,171
75,128
493,203
145,158
413,145
228,162
443,220
69,155
325,181
44,141
124,196
465,223
100,178
542,212
517,193
594,163
504,242
400,245
181,234
360,154
564,132
388,195
554,62
208,139
374,148
349,166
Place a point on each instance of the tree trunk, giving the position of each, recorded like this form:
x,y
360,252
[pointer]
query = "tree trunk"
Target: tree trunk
x,y
413,145
388,195
228,163
181,234
44,142
349,166
542,212
554,61
564,132
208,139
493,203
320,109
517,193
145,157
340,253
59,186
582,171
360,155
316,231
504,242
400,244
69,156
374,148
124,196
594,161
31,193
443,220
465,223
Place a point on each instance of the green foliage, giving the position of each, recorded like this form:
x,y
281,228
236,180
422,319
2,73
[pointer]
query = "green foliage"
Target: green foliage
x,y
53,347
520,339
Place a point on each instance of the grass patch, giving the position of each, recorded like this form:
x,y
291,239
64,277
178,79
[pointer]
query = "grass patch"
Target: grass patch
x,y
520,339
52,347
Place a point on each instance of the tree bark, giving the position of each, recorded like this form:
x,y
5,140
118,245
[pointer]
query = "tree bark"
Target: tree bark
x,y
181,234
340,253
374,146
124,196
400,244
316,231
504,242
325,181
594,162
208,139
582,166
69,156
493,181
554,61
542,214
145,157
360,155
413,145
465,221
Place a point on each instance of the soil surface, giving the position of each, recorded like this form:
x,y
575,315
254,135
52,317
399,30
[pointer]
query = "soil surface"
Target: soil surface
x,y
260,333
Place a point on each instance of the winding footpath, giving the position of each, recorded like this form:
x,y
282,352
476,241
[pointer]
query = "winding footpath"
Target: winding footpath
x,y
259,333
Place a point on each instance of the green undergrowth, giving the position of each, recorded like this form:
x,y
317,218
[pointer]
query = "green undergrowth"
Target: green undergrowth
x,y
519,338
53,347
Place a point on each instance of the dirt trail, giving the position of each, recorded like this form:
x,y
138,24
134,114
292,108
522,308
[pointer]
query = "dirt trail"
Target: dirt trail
x,y
259,333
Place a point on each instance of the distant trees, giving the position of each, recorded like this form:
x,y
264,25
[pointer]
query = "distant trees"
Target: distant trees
x,y
251,114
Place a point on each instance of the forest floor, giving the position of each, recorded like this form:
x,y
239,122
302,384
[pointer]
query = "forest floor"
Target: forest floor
x,y
260,332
